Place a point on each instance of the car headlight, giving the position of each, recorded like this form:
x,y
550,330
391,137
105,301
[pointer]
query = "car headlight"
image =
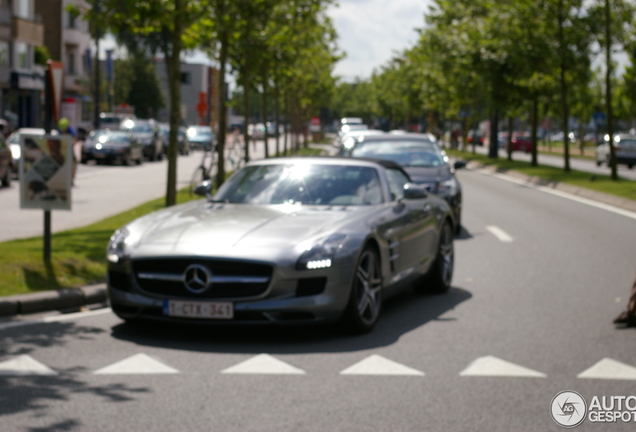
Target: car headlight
x,y
448,187
321,254
15,151
116,249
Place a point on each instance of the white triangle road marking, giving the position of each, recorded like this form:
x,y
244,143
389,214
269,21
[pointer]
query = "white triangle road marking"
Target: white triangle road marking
x,y
136,364
609,369
263,364
24,365
377,365
493,366
501,235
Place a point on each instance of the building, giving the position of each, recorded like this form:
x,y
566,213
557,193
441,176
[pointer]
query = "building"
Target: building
x,y
21,80
199,87
68,40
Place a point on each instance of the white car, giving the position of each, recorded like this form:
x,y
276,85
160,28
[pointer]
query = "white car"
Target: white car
x,y
624,149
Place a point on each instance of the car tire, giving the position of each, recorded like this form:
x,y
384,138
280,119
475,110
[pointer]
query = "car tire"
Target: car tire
x,y
126,160
365,299
630,166
140,160
438,280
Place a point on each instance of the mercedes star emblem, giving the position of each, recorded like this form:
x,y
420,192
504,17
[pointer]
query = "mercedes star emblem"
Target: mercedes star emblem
x,y
197,278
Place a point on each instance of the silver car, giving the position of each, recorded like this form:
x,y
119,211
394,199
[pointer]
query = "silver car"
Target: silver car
x,y
624,148
288,241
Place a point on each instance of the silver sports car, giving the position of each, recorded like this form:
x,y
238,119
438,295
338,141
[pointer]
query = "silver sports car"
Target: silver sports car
x,y
289,241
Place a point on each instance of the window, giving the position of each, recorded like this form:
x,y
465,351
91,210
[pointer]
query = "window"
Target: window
x,y
23,8
71,20
4,53
23,55
70,63
186,78
397,180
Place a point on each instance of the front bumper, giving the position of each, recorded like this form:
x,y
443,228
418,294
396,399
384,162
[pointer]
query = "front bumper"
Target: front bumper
x,y
284,301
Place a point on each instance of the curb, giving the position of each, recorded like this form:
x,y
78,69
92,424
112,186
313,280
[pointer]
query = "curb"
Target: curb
x,y
624,203
52,300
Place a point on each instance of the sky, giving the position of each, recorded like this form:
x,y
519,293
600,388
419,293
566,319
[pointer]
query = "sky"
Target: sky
x,y
371,31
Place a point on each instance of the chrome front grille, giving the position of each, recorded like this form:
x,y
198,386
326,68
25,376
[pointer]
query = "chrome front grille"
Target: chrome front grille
x,y
227,278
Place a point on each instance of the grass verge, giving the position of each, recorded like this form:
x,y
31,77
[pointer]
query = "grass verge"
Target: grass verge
x,y
77,256
622,188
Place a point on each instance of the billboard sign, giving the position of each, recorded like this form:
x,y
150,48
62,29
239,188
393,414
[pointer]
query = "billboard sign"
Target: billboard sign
x,y
45,172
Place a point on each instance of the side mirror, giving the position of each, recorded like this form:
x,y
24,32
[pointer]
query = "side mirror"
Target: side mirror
x,y
459,164
204,188
414,191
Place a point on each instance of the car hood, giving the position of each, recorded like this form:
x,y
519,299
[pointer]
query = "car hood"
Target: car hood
x,y
204,228
428,174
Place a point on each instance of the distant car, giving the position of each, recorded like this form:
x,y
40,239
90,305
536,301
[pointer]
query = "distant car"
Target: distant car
x,y
202,137
114,146
624,148
285,241
112,121
475,137
89,143
146,132
351,121
6,164
183,144
351,137
423,160
521,141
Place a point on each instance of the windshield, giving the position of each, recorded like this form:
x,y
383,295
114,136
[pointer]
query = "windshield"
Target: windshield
x,y
406,154
114,139
303,184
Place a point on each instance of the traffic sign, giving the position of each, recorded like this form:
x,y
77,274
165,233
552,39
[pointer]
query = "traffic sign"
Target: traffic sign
x,y
600,119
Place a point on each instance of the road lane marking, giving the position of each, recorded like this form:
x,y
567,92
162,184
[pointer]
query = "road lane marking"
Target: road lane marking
x,y
70,316
609,369
572,197
263,364
24,365
499,233
493,366
377,365
137,364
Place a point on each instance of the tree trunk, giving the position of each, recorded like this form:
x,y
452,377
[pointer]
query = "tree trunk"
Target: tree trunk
x,y
493,151
277,114
220,173
286,129
246,111
264,111
535,122
608,89
173,65
511,123
564,91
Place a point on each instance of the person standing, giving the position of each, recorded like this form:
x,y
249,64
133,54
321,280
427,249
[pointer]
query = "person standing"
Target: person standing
x,y
64,127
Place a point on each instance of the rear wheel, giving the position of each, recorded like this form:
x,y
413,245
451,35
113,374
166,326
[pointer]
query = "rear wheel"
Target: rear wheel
x,y
6,181
198,177
365,300
438,280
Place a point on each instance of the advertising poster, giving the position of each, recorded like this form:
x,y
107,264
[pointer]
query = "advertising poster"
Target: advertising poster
x,y
45,172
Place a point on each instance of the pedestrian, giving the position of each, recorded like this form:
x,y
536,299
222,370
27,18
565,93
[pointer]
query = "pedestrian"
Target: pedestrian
x,y
628,318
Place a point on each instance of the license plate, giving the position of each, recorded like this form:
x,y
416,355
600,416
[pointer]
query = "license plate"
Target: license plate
x,y
203,310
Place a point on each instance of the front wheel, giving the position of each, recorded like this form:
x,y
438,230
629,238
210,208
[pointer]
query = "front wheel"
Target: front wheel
x,y
200,175
365,300
438,280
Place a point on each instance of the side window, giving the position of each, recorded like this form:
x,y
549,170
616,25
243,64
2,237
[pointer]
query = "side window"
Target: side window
x,y
397,180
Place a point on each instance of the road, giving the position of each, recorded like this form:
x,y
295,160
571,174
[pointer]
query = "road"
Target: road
x,y
538,280
557,161
98,194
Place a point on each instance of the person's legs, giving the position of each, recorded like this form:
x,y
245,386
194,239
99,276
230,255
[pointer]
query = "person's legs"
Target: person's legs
x,y
629,316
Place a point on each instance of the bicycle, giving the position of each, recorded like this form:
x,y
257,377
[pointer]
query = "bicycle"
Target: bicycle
x,y
203,172
235,155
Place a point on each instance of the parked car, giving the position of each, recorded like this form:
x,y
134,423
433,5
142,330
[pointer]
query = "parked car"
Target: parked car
x,y
424,161
183,143
115,146
6,163
146,132
351,137
475,137
89,144
285,241
202,137
113,121
624,150
521,141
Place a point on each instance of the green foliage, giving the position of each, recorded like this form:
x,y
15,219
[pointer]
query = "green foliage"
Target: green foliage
x,y
41,55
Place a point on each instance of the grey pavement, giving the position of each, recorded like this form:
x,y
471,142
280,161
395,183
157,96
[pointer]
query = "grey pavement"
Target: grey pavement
x,y
544,300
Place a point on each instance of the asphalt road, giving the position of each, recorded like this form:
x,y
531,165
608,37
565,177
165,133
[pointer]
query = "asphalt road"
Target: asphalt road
x,y
575,163
538,280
